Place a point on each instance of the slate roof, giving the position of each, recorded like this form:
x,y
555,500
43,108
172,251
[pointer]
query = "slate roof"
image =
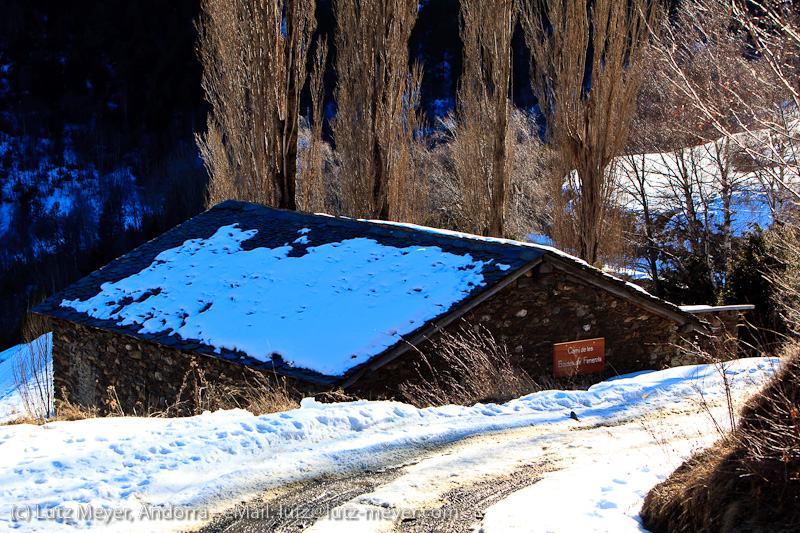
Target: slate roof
x,y
275,228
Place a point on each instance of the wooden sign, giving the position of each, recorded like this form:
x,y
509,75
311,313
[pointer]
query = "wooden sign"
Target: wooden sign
x,y
579,357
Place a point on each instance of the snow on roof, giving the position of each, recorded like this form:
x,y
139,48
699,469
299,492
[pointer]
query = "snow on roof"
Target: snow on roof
x,y
542,248
328,310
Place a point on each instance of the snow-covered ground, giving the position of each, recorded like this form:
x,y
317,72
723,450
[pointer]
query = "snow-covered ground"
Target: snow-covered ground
x,y
137,474
697,172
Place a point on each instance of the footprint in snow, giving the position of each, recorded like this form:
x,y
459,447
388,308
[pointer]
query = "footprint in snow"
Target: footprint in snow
x,y
605,504
117,449
162,450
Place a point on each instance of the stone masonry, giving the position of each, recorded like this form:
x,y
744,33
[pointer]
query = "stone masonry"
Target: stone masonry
x,y
145,376
547,306
540,308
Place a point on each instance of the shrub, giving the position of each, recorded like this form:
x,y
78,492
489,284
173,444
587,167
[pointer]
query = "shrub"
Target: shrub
x,y
750,281
33,370
470,367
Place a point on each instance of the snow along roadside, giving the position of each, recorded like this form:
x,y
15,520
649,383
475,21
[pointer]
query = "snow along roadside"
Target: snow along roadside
x,y
169,474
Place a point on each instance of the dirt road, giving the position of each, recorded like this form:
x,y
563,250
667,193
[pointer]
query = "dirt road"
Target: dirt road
x,y
300,507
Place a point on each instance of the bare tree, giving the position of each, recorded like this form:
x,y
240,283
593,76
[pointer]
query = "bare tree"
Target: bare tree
x,y
637,185
527,191
776,33
254,67
375,99
481,149
587,71
674,194
313,188
739,72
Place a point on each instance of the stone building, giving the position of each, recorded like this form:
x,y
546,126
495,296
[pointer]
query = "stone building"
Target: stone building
x,y
329,302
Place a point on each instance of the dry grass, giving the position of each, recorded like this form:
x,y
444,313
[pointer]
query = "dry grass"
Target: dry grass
x,y
64,411
259,395
468,367
749,480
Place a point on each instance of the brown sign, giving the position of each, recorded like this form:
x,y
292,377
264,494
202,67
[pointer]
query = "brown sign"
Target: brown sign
x,y
579,357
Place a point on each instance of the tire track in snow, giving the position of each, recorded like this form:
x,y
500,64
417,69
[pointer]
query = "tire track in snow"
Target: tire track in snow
x,y
298,507
463,507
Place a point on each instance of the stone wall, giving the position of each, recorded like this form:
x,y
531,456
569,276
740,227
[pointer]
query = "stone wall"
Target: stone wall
x,y
540,310
145,376
548,306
